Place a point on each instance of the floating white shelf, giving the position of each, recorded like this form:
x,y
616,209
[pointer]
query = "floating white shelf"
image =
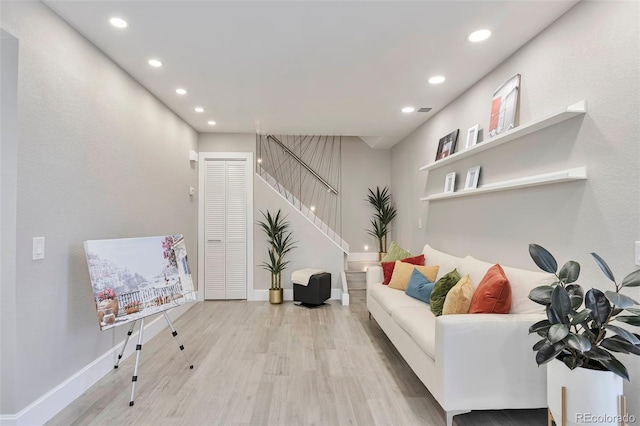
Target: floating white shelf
x,y
578,173
571,111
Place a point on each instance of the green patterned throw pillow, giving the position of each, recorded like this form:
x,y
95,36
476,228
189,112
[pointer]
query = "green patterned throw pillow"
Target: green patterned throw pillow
x,y
440,290
395,253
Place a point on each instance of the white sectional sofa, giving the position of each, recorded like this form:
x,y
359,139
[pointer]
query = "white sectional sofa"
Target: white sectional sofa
x,y
471,361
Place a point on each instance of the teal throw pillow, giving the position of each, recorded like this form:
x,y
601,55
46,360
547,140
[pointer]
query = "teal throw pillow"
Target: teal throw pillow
x,y
419,286
395,253
440,290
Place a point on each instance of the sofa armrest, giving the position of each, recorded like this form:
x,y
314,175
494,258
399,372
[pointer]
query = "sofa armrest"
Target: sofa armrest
x,y
484,357
373,275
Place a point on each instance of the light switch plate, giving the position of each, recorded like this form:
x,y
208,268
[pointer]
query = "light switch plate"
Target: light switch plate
x,y
38,248
638,253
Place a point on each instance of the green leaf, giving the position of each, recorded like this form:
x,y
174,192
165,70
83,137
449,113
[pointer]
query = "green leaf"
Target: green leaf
x,y
597,354
576,294
632,280
623,344
596,301
557,332
561,303
543,259
615,345
616,367
539,344
578,342
547,353
570,362
620,300
541,294
628,336
552,316
603,265
569,272
580,317
540,325
633,310
632,320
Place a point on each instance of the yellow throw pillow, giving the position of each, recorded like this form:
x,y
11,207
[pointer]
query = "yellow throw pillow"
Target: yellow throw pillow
x,y
402,274
459,297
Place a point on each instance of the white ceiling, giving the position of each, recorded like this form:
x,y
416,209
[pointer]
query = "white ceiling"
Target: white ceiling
x,y
302,67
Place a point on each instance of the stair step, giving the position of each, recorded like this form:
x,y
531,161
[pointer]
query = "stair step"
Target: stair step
x,y
357,296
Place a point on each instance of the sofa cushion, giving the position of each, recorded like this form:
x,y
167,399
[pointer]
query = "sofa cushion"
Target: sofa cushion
x,y
459,297
391,299
394,253
419,286
440,290
493,294
402,273
521,280
387,267
420,324
446,261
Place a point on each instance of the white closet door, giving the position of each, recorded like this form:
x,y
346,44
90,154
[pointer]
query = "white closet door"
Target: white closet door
x,y
214,229
225,223
236,231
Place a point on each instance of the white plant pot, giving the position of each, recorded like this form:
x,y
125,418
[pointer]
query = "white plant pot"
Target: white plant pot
x,y
592,397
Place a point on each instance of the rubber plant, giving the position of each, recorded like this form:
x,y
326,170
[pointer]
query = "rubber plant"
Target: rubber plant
x,y
584,336
385,212
280,240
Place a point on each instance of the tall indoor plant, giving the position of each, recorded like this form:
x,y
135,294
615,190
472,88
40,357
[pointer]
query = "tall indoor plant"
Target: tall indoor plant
x,y
279,238
380,200
584,339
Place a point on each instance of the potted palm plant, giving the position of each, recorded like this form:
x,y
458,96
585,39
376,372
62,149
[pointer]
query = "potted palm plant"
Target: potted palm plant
x,y
279,237
380,200
579,342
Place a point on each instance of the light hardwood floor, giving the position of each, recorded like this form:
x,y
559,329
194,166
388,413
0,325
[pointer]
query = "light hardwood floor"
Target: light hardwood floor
x,y
262,364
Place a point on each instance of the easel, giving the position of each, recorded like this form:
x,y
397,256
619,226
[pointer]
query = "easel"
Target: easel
x,y
134,379
622,409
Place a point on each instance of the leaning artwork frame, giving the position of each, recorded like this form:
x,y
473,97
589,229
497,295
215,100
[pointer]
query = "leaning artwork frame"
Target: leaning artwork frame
x,y
447,145
504,106
472,136
450,182
472,178
133,278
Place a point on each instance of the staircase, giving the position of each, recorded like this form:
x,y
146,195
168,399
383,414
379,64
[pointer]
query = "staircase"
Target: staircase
x,y
356,280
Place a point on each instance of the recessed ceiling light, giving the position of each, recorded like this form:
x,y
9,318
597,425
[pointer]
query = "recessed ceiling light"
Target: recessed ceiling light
x,y
198,109
118,22
211,123
479,35
181,91
408,110
155,63
436,79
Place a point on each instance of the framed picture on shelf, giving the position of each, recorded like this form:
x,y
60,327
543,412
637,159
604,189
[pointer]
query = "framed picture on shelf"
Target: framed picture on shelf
x,y
450,182
447,145
472,178
504,106
472,136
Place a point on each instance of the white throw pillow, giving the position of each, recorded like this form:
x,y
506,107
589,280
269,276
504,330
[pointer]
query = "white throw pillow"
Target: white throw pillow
x,y
446,261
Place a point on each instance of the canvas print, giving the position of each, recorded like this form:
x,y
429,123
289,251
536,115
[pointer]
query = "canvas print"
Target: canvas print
x,y
136,277
504,106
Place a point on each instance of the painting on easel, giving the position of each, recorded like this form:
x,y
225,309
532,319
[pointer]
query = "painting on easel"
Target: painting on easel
x,y
136,277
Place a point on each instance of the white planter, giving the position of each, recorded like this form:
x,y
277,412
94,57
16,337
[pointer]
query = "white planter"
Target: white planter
x,y
592,397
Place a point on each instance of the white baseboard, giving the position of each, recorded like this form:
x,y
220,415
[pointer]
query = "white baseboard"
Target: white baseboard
x,y
51,403
260,295
362,257
345,299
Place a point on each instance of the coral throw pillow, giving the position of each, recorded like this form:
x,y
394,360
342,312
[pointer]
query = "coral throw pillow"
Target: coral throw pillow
x,y
402,273
441,289
493,294
387,267
459,297
395,253
419,286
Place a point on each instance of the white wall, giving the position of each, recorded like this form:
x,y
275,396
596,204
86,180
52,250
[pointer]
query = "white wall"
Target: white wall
x,y
98,157
8,159
589,53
